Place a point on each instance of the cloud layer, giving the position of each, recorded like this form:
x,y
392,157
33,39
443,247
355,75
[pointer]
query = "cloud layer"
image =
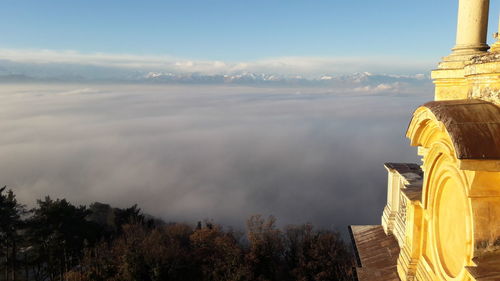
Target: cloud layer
x,y
50,60
186,153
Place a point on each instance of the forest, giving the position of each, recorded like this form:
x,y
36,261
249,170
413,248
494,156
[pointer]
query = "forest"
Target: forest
x,y
57,240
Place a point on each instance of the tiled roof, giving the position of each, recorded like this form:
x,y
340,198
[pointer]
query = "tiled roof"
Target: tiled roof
x,y
376,253
487,269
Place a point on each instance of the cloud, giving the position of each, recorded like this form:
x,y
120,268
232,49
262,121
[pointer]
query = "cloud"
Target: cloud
x,y
380,88
81,91
186,153
303,66
74,57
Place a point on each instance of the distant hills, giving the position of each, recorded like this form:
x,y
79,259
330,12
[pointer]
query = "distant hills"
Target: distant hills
x,y
15,72
266,78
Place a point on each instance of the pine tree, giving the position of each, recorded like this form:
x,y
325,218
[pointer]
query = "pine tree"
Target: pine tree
x,y
10,225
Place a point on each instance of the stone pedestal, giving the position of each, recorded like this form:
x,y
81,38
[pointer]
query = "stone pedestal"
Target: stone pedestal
x,y
472,30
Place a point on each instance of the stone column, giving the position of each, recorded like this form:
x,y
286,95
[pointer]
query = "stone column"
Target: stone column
x,y
472,27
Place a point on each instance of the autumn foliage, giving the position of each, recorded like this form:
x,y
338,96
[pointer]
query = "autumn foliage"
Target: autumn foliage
x,y
179,252
59,241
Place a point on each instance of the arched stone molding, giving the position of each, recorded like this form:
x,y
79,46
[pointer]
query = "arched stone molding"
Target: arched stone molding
x,y
472,127
461,207
448,209
450,235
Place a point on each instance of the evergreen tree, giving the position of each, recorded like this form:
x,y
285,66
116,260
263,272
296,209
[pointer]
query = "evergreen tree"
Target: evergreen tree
x,y
10,225
58,233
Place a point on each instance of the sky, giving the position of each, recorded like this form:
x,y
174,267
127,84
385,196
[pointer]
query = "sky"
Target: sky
x,y
233,31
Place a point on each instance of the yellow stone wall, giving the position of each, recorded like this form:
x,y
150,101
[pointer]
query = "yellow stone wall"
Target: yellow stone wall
x,y
445,246
458,216
478,79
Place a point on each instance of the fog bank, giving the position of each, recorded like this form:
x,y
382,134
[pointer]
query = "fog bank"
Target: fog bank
x,y
186,153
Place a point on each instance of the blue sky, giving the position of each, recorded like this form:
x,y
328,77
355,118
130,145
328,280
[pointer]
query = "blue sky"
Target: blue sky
x,y
233,30
412,35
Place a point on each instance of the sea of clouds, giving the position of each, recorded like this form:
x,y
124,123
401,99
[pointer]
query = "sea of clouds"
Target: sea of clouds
x,y
300,138
222,152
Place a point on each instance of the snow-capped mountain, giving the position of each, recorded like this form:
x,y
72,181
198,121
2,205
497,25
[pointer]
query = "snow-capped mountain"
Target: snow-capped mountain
x,y
247,77
16,72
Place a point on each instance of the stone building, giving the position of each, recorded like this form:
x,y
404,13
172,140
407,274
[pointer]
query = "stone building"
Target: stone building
x,y
442,218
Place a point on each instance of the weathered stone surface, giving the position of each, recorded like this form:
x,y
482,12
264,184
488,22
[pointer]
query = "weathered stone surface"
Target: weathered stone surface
x,y
473,125
403,168
411,173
